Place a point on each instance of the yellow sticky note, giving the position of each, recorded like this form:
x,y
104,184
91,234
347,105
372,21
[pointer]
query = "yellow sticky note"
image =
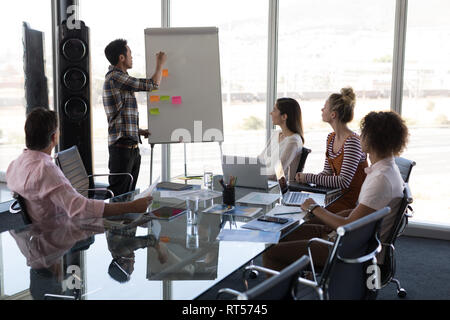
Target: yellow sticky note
x,y
154,112
165,98
165,73
154,99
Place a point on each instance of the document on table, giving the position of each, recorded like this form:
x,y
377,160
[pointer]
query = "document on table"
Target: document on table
x,y
248,236
149,191
239,211
260,198
270,226
281,210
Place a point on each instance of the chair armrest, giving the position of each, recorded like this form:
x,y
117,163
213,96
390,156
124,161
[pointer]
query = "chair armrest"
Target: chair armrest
x,y
237,294
328,243
262,269
98,189
114,174
311,261
370,256
13,207
312,284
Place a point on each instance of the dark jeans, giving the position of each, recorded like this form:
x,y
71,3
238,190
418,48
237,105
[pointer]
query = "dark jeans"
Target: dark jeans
x,y
123,160
295,245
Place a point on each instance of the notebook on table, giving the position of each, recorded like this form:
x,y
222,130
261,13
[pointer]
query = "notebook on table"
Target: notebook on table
x,y
173,186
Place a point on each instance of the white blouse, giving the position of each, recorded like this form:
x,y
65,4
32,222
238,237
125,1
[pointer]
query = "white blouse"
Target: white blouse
x,y
288,151
383,183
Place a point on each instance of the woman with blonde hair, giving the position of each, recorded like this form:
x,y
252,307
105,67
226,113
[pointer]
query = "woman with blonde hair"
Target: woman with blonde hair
x,y
344,159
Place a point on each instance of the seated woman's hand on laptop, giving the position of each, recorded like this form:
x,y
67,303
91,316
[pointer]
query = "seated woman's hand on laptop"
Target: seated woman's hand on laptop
x,y
307,203
300,177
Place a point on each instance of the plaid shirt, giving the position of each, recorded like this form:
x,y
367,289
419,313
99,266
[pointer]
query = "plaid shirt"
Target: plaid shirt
x,y
121,105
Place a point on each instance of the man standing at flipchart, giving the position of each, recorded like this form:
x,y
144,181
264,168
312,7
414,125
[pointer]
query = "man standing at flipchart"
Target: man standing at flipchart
x,y
124,134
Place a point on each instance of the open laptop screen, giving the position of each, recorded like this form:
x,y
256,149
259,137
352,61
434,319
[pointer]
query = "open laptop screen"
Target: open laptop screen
x,y
281,178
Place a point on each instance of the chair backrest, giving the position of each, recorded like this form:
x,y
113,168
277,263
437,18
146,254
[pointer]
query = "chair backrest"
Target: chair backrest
x,y
345,273
22,209
386,260
405,166
301,164
73,168
280,286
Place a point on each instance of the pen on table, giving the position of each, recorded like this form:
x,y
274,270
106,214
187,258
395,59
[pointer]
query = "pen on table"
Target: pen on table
x,y
282,214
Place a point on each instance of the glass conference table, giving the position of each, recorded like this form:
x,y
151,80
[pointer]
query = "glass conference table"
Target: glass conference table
x,y
118,258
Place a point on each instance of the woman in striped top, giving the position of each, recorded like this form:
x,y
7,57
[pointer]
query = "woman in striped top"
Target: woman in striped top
x,y
345,161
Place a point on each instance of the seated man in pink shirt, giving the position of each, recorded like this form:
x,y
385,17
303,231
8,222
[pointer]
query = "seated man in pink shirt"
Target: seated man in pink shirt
x,y
46,190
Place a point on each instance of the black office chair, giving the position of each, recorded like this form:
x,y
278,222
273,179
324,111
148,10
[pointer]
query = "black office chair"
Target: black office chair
x,y
18,206
73,168
405,166
281,285
388,266
304,156
345,274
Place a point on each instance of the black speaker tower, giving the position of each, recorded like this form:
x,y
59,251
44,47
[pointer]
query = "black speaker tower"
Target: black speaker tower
x,y
74,99
36,89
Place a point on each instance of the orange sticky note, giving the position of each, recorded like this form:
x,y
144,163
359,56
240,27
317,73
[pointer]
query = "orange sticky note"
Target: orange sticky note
x,y
165,73
154,99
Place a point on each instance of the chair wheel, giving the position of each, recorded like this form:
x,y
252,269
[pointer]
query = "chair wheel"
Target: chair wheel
x,y
401,293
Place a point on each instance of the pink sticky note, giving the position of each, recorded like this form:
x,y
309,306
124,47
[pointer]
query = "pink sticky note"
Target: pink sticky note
x,y
177,100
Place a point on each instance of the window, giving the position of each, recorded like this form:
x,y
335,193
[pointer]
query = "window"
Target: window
x,y
243,54
327,45
119,20
426,99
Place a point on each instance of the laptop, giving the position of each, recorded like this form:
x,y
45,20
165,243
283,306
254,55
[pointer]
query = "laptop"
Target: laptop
x,y
311,187
294,198
249,172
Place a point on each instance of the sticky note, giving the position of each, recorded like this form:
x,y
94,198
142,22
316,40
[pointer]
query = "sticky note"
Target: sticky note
x,y
177,100
165,73
154,112
165,98
154,98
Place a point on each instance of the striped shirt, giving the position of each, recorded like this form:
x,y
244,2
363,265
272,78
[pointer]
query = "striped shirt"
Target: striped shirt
x,y
353,156
121,105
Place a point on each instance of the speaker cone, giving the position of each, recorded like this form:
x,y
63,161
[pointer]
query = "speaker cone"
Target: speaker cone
x,y
75,109
74,49
74,79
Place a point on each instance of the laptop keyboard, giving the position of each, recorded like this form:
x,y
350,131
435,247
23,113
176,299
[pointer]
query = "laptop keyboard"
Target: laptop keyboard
x,y
298,198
